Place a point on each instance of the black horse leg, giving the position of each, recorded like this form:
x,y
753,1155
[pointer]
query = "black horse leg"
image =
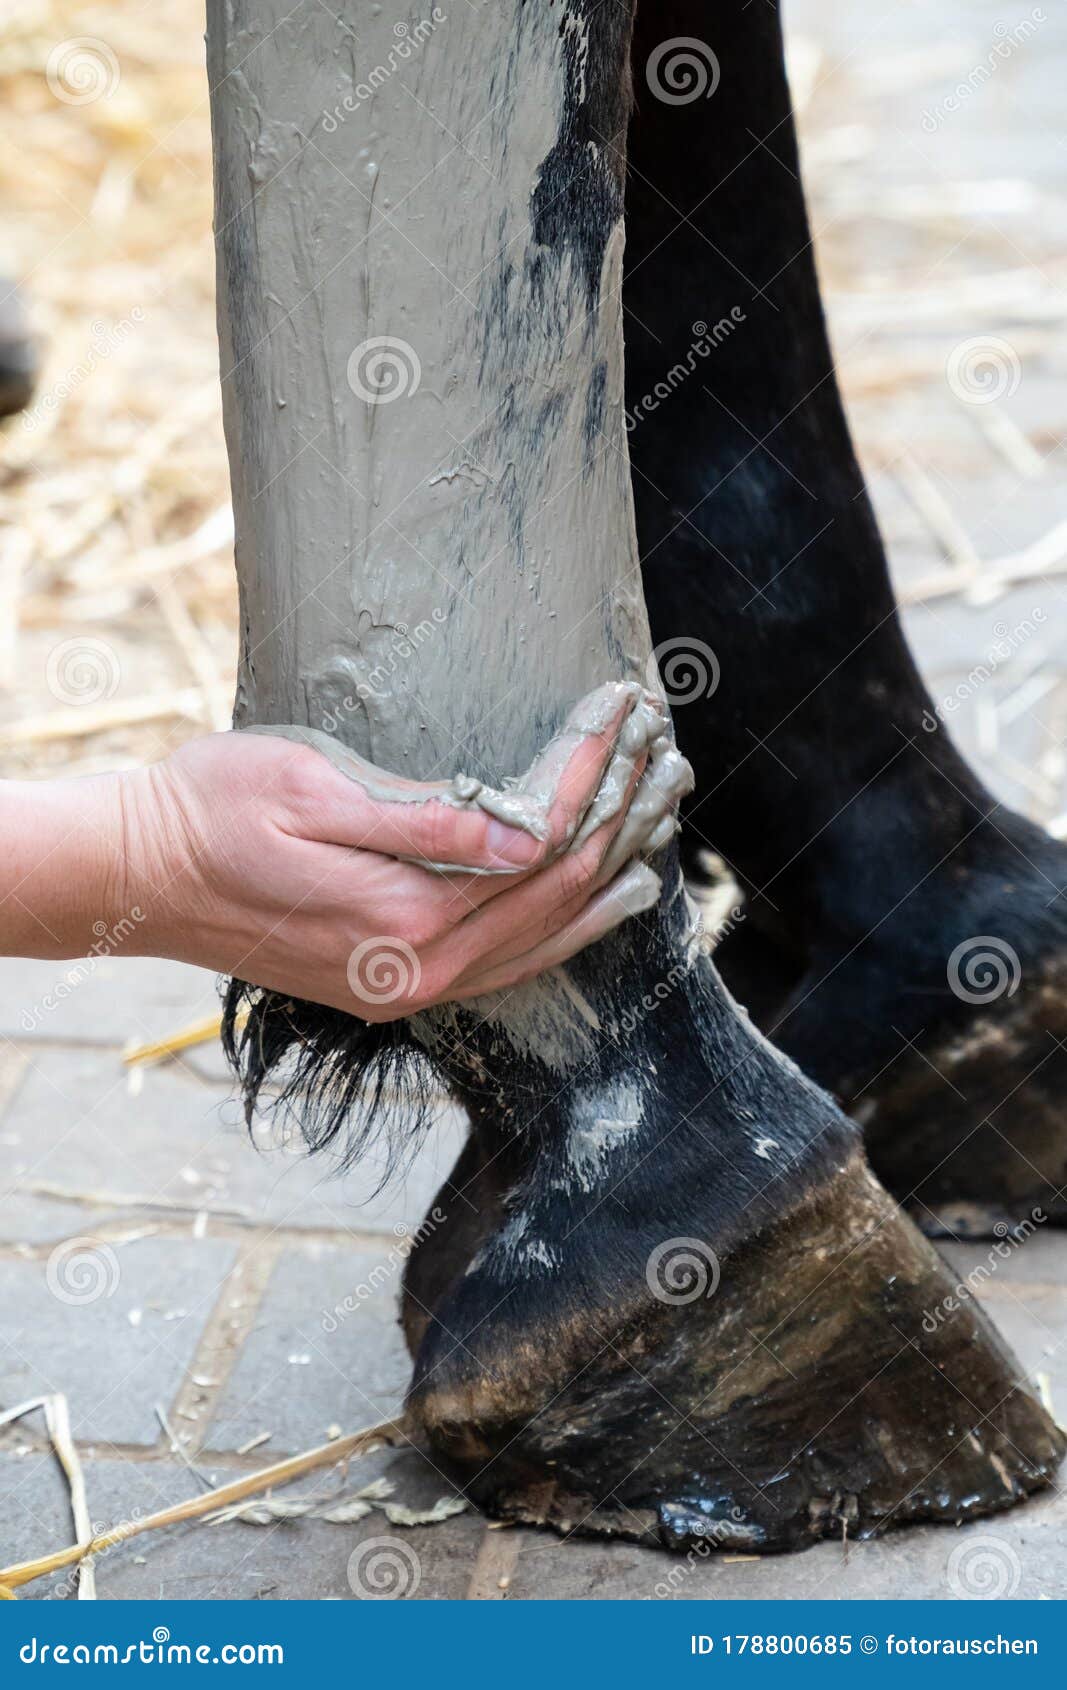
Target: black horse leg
x,y
920,928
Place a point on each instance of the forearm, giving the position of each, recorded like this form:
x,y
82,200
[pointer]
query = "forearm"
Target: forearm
x,y
63,869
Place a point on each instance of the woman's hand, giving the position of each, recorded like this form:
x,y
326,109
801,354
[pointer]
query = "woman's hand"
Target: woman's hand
x,y
254,856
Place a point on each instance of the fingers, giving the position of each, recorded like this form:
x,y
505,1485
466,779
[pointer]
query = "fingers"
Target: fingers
x,y
429,822
535,906
635,890
584,762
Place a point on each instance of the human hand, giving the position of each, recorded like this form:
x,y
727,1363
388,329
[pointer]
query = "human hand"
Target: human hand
x,y
255,856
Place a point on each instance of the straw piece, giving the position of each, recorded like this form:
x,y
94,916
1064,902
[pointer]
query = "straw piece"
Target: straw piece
x,y
937,513
197,1033
985,581
80,720
388,1433
57,1417
7,1415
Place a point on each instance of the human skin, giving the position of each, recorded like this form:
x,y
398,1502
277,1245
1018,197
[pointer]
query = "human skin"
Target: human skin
x,y
250,854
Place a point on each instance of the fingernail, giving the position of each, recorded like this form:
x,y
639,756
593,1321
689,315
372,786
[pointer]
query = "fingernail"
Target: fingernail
x,y
510,844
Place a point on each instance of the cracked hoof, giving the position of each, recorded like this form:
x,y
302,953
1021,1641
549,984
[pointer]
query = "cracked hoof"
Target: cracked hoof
x,y
803,1383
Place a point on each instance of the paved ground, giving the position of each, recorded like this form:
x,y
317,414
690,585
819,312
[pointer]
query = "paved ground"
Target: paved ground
x,y
207,1276
149,1258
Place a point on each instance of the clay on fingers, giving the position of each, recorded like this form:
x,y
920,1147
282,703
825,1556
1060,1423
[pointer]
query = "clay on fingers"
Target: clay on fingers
x,y
526,802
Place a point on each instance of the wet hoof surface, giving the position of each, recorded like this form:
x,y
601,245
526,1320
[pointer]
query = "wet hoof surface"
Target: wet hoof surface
x,y
810,1383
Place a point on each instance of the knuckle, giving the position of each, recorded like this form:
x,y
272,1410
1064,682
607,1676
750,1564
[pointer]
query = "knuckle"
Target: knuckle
x,y
436,983
436,831
420,926
576,875
302,775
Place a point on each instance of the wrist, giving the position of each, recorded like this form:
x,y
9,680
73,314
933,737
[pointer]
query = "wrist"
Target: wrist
x,y
64,885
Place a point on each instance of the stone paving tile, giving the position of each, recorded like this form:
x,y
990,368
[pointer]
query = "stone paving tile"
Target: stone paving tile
x,y
112,1370
112,1000
26,1220
77,1127
326,1350
294,1560
1041,1259
1034,1324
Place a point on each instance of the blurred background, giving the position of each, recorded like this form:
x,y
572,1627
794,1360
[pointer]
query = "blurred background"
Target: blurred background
x,y
935,150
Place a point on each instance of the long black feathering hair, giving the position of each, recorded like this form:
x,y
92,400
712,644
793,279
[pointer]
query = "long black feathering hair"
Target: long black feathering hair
x,y
342,1078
